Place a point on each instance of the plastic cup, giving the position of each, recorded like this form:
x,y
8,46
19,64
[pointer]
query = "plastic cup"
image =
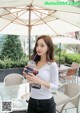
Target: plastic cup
x,y
32,64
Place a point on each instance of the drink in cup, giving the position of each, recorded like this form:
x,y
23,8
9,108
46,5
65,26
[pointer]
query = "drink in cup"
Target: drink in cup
x,y
31,68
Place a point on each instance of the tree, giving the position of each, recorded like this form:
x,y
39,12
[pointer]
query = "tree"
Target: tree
x,y
12,48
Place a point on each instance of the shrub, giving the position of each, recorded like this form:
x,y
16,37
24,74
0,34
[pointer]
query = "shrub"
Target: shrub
x,y
8,63
62,59
2,64
69,58
12,48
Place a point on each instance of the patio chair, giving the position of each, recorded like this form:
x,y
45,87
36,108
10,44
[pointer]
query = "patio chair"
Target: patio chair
x,y
73,91
76,65
70,75
13,79
16,79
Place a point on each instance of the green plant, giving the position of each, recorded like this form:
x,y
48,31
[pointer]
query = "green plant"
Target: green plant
x,y
12,48
69,58
2,64
62,59
8,63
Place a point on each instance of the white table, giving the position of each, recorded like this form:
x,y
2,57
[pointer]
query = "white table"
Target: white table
x,y
13,93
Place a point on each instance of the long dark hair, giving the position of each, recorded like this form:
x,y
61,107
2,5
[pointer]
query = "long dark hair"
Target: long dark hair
x,y
50,52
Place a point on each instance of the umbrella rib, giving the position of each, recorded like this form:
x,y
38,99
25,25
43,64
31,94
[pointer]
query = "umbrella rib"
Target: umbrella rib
x,y
47,15
10,12
55,18
13,15
46,24
8,23
67,22
5,26
15,22
17,17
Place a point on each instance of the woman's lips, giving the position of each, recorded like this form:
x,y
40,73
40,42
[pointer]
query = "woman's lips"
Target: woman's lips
x,y
38,52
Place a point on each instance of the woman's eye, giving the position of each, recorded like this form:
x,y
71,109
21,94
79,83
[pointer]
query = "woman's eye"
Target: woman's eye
x,y
42,45
37,45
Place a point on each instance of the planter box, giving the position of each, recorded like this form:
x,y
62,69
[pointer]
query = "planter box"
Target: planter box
x,y
4,72
79,72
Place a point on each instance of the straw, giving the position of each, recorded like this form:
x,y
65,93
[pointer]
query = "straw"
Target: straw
x,y
34,57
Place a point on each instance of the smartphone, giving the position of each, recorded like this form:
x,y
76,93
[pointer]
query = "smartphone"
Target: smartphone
x,y
30,70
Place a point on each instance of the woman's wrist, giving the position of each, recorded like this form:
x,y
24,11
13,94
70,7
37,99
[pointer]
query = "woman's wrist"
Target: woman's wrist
x,y
44,83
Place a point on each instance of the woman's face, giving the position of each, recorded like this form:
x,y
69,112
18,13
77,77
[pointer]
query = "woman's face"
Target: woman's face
x,y
41,47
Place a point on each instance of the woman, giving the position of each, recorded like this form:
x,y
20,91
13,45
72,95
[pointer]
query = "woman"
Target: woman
x,y
41,100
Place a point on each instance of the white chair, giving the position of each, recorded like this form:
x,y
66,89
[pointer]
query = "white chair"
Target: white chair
x,y
13,79
73,91
16,79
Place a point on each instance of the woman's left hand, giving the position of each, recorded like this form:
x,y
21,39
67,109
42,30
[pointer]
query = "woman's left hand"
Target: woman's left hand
x,y
33,79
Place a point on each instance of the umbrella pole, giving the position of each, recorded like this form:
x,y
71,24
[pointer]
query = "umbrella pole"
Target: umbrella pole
x,y
29,30
59,54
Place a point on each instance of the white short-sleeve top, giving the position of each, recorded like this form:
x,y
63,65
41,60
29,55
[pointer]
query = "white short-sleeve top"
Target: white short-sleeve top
x,y
48,73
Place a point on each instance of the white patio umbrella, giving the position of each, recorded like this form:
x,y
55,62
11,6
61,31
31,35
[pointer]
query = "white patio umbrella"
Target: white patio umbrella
x,y
64,40
57,25
20,12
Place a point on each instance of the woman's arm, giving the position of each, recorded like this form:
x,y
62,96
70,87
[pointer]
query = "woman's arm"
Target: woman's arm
x,y
54,76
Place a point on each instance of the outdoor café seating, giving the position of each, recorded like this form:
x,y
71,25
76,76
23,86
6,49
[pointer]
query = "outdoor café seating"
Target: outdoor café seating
x,y
69,75
17,94
13,79
73,91
77,66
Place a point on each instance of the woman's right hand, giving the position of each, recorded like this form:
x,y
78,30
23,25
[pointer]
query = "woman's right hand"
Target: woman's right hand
x,y
24,73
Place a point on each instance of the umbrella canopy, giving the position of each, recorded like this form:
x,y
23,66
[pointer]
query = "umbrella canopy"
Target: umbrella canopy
x,y
65,40
29,13
18,12
57,25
